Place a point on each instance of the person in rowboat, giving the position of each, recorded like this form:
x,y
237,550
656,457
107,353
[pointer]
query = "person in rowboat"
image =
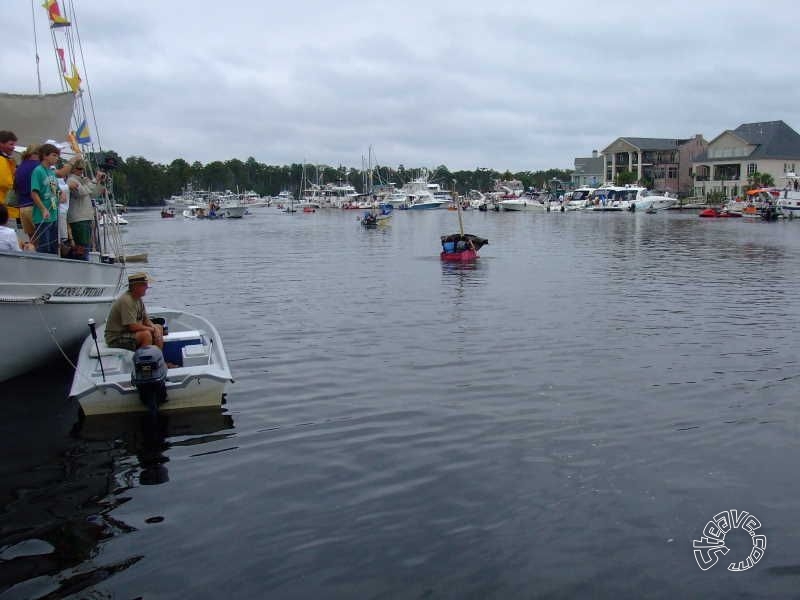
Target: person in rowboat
x,y
128,325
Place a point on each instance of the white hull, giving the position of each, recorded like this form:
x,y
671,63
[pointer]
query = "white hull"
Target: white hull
x,y
523,205
197,384
117,220
234,212
425,205
654,203
46,302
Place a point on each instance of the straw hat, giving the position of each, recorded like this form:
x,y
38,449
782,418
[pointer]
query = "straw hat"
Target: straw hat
x,y
140,277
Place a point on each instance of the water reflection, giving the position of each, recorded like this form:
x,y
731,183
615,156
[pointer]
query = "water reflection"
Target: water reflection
x,y
59,509
147,436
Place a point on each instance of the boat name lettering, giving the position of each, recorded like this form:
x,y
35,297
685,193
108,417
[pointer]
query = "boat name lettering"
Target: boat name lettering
x,y
78,291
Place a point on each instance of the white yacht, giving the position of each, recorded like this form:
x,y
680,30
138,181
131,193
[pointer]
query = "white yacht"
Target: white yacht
x,y
523,203
579,198
648,201
422,195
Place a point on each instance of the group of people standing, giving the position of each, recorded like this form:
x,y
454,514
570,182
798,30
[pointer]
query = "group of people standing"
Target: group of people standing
x,y
31,197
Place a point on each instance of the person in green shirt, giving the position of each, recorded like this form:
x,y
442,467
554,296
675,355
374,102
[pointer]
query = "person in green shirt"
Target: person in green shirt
x,y
46,195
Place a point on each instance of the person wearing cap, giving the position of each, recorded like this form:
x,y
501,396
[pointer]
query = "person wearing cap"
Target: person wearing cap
x,y
128,325
80,214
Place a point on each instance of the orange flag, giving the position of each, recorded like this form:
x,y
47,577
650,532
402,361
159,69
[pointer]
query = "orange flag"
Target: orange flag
x,y
56,20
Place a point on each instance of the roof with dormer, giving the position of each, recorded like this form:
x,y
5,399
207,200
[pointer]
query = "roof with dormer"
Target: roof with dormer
x,y
589,165
644,144
772,140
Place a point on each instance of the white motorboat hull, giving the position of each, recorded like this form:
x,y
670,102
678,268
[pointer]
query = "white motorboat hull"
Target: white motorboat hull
x,y
432,205
188,392
234,212
654,203
46,302
103,385
522,205
117,220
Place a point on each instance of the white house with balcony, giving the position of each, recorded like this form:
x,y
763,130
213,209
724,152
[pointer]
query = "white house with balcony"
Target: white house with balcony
x,y
734,155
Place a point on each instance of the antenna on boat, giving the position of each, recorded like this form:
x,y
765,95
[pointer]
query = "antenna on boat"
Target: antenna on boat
x,y
97,347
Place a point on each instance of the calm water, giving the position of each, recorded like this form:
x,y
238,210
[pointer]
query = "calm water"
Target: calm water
x,y
559,420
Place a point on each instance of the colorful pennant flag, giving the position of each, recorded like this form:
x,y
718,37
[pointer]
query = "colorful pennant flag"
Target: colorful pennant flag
x,y
74,81
82,135
54,12
61,59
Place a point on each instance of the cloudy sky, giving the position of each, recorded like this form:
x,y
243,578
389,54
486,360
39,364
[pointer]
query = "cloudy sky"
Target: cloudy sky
x,y
502,84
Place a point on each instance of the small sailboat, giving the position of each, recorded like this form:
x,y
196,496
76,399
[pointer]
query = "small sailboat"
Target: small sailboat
x,y
458,247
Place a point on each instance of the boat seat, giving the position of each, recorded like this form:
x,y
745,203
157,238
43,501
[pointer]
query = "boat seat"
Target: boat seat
x,y
105,350
191,334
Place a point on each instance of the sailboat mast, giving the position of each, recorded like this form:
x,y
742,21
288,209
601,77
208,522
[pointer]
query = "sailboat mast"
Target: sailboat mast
x,y
458,209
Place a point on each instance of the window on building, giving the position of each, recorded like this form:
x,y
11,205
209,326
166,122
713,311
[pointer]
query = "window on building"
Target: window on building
x,y
751,168
672,172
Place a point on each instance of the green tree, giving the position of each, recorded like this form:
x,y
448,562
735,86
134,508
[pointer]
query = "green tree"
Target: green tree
x,y
625,177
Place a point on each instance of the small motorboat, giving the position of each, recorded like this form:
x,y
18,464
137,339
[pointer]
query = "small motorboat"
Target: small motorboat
x,y
115,380
372,219
713,213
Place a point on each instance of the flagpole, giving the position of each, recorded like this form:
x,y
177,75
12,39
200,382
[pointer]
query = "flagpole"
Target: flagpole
x,y
36,49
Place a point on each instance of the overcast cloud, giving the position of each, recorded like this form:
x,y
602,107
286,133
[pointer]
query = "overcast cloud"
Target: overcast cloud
x,y
499,84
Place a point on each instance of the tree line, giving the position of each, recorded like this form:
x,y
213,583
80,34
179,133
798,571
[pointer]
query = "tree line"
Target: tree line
x,y
139,182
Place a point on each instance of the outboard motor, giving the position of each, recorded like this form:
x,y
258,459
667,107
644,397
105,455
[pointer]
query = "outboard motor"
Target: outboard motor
x,y
150,376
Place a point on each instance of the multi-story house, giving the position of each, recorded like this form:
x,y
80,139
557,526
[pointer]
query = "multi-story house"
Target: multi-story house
x,y
589,171
663,163
735,155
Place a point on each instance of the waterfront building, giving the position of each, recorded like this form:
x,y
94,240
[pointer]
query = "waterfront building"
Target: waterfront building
x,y
588,172
664,164
735,155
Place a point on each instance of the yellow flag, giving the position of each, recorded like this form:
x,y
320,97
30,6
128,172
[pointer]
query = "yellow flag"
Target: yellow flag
x,y
74,81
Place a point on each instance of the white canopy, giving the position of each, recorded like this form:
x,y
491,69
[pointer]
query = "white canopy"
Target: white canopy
x,y
34,119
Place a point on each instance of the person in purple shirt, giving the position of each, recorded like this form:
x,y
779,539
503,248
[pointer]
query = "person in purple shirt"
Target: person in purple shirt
x,y
22,186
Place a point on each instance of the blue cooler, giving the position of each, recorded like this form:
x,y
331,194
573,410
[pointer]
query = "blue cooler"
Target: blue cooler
x,y
449,246
174,343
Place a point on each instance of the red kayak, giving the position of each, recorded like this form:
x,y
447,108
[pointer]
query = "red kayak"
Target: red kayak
x,y
713,213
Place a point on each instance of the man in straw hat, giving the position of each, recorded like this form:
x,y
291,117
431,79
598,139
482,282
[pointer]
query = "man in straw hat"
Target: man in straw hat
x,y
128,325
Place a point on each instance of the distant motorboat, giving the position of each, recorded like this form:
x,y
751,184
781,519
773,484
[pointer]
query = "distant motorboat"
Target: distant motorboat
x,y
652,202
523,204
715,213
115,219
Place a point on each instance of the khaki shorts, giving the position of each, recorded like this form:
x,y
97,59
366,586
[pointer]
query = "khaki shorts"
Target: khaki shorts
x,y
26,216
122,340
